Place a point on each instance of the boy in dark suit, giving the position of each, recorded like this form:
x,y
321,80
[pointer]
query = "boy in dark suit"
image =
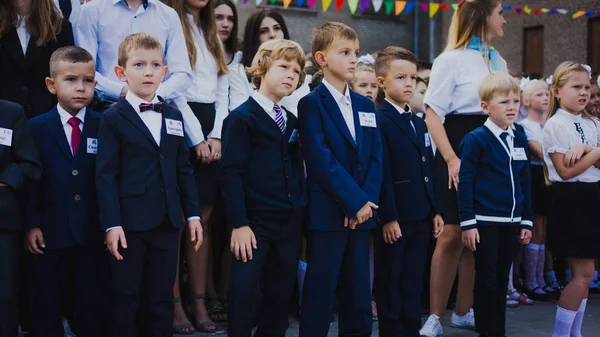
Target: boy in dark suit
x,y
63,230
263,189
342,148
409,201
144,180
19,164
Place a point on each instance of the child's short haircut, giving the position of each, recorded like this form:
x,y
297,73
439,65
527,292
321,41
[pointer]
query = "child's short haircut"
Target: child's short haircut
x,y
327,32
389,55
70,54
271,51
137,41
498,83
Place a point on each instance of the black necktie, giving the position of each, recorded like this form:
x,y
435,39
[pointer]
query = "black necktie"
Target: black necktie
x,y
65,8
504,137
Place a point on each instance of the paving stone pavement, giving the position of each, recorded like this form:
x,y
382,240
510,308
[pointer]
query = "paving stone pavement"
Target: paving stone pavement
x,y
535,321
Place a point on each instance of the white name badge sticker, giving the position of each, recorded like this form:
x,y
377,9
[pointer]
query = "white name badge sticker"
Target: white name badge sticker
x,y
6,137
367,119
427,139
174,127
518,153
92,145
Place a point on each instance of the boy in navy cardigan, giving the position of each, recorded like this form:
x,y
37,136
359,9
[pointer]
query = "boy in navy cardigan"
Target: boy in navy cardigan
x,y
63,229
262,184
494,199
410,199
144,181
343,152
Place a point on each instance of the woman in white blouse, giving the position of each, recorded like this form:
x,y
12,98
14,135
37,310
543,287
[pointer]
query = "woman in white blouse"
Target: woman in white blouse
x,y
453,110
207,98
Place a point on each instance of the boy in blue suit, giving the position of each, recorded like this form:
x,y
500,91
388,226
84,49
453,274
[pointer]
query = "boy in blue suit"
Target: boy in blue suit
x,y
342,148
144,181
409,201
63,230
262,183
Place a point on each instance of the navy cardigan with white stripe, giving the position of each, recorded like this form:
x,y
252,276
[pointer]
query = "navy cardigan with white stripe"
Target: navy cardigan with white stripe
x,y
493,189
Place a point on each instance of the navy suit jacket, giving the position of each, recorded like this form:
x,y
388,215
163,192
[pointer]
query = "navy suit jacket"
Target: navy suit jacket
x,y
140,183
343,175
409,191
63,203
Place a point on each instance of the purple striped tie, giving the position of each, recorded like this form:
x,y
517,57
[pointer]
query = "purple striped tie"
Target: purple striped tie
x,y
279,118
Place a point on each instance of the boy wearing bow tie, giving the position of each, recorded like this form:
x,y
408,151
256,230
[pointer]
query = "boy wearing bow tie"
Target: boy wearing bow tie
x,y
144,180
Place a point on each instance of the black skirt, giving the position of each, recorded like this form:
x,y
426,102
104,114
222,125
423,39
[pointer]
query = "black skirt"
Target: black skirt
x,y
540,193
206,175
457,126
573,224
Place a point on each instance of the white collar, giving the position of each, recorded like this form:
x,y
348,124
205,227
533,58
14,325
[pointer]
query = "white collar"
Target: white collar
x,y
65,116
337,96
136,101
496,130
144,3
570,116
399,109
264,102
22,21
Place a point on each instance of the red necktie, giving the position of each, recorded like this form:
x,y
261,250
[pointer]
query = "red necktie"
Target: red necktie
x,y
75,134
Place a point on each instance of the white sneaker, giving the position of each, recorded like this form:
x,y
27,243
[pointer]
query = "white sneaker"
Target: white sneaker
x,y
467,321
432,327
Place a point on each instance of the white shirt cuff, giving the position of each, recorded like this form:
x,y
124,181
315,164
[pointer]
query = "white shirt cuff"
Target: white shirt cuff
x,y
111,228
193,218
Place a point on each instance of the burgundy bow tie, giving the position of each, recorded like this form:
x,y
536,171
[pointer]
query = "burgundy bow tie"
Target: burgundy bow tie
x,y
151,106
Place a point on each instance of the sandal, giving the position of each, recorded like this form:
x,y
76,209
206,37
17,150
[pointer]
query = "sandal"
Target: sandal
x,y
521,298
183,329
207,326
510,303
217,312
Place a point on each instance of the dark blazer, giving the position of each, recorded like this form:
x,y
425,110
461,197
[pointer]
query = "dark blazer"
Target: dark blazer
x,y
23,76
19,164
262,177
343,175
64,203
140,183
410,191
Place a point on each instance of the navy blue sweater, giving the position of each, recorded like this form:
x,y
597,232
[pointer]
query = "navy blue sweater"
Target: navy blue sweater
x,y
494,187
261,176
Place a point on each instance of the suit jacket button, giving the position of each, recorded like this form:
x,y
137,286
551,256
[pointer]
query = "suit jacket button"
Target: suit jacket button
x,y
162,190
359,167
289,196
426,179
162,156
74,172
424,159
77,197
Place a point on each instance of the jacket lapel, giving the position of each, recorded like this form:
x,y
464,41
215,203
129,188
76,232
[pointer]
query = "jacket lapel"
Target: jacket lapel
x,y
12,44
397,119
335,113
357,127
132,116
33,53
57,130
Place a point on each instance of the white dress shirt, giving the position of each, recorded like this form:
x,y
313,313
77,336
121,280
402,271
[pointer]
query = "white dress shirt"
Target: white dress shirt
x,y
23,33
64,119
497,131
534,131
454,83
561,134
207,86
403,111
268,105
151,118
75,9
345,104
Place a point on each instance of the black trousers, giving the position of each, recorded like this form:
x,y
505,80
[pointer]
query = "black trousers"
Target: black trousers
x,y
144,281
83,268
399,270
10,257
272,273
493,258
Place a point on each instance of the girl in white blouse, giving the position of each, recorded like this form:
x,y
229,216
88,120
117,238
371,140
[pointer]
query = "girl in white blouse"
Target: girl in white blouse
x,y
208,99
571,153
453,110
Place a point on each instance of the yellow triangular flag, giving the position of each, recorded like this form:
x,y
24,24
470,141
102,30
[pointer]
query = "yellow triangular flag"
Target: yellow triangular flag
x,y
400,5
326,4
527,10
286,3
455,7
433,8
578,14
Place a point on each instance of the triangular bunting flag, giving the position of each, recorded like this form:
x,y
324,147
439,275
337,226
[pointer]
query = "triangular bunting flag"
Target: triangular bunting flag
x,y
235,1
299,3
433,8
507,7
589,14
444,7
519,10
455,7
325,4
272,2
377,5
353,5
562,11
400,5
311,3
553,11
545,10
389,6
286,3
527,10
537,11
258,2
578,14
364,4
571,14
424,6
409,7
338,5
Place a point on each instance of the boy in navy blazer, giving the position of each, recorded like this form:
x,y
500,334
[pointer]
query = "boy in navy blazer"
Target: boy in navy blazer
x,y
63,229
262,183
409,203
144,181
343,152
